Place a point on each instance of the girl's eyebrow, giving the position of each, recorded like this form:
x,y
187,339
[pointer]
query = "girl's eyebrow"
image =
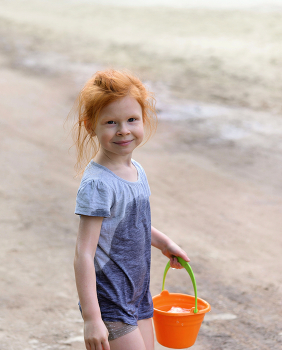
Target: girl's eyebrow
x,y
107,117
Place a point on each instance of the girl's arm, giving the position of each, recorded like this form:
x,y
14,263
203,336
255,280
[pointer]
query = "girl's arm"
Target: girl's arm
x,y
95,331
168,247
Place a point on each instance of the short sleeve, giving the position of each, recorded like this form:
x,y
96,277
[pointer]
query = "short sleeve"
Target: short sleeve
x,y
94,198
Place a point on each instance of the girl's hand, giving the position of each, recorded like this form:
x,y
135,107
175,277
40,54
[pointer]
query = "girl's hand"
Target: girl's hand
x,y
96,335
172,251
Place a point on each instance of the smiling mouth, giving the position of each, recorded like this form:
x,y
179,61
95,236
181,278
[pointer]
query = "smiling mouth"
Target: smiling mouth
x,y
123,143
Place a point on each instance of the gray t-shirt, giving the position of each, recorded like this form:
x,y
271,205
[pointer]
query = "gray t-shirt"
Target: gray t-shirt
x,y
123,255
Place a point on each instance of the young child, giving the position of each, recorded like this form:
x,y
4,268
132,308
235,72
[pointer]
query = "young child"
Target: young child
x,y
114,110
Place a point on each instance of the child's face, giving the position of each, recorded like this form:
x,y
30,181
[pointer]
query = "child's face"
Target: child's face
x,y
120,127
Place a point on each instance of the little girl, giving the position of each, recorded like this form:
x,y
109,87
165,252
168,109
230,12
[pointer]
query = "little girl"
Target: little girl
x,y
114,110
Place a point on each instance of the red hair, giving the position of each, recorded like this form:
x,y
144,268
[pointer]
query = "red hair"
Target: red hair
x,y
103,88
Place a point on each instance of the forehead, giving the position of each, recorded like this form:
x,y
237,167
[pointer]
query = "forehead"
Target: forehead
x,y
123,107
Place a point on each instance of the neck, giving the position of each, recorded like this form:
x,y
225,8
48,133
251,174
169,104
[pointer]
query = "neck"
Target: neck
x,y
111,161
121,165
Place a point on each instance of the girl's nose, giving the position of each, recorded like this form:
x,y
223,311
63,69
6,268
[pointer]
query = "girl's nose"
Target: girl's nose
x,y
123,130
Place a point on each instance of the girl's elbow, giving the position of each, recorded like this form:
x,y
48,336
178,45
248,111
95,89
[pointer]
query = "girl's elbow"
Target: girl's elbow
x,y
82,259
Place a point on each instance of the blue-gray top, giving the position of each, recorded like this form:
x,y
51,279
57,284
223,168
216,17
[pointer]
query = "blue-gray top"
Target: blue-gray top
x,y
123,255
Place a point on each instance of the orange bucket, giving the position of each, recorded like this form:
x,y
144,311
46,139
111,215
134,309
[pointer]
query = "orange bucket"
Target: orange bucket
x,y
173,329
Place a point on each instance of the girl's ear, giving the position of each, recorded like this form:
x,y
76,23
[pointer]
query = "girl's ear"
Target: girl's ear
x,y
88,127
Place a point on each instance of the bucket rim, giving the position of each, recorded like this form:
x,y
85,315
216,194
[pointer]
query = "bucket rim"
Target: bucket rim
x,y
203,311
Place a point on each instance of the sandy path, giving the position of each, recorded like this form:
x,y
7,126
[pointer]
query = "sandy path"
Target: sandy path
x,y
215,174
230,227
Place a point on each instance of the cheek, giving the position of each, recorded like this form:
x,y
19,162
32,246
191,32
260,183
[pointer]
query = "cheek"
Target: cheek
x,y
104,136
141,132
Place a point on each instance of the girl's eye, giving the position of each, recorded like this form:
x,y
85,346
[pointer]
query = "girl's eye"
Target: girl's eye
x,y
110,122
131,120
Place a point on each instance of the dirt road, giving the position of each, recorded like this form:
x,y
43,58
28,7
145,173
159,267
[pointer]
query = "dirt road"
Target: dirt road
x,y
215,171
229,223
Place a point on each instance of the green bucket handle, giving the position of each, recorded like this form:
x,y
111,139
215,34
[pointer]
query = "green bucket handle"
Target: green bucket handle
x,y
191,274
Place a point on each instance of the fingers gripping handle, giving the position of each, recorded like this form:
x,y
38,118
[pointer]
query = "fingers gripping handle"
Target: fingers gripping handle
x,y
191,274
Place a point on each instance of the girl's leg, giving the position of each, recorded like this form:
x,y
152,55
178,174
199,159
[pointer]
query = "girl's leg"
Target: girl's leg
x,y
146,329
141,338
